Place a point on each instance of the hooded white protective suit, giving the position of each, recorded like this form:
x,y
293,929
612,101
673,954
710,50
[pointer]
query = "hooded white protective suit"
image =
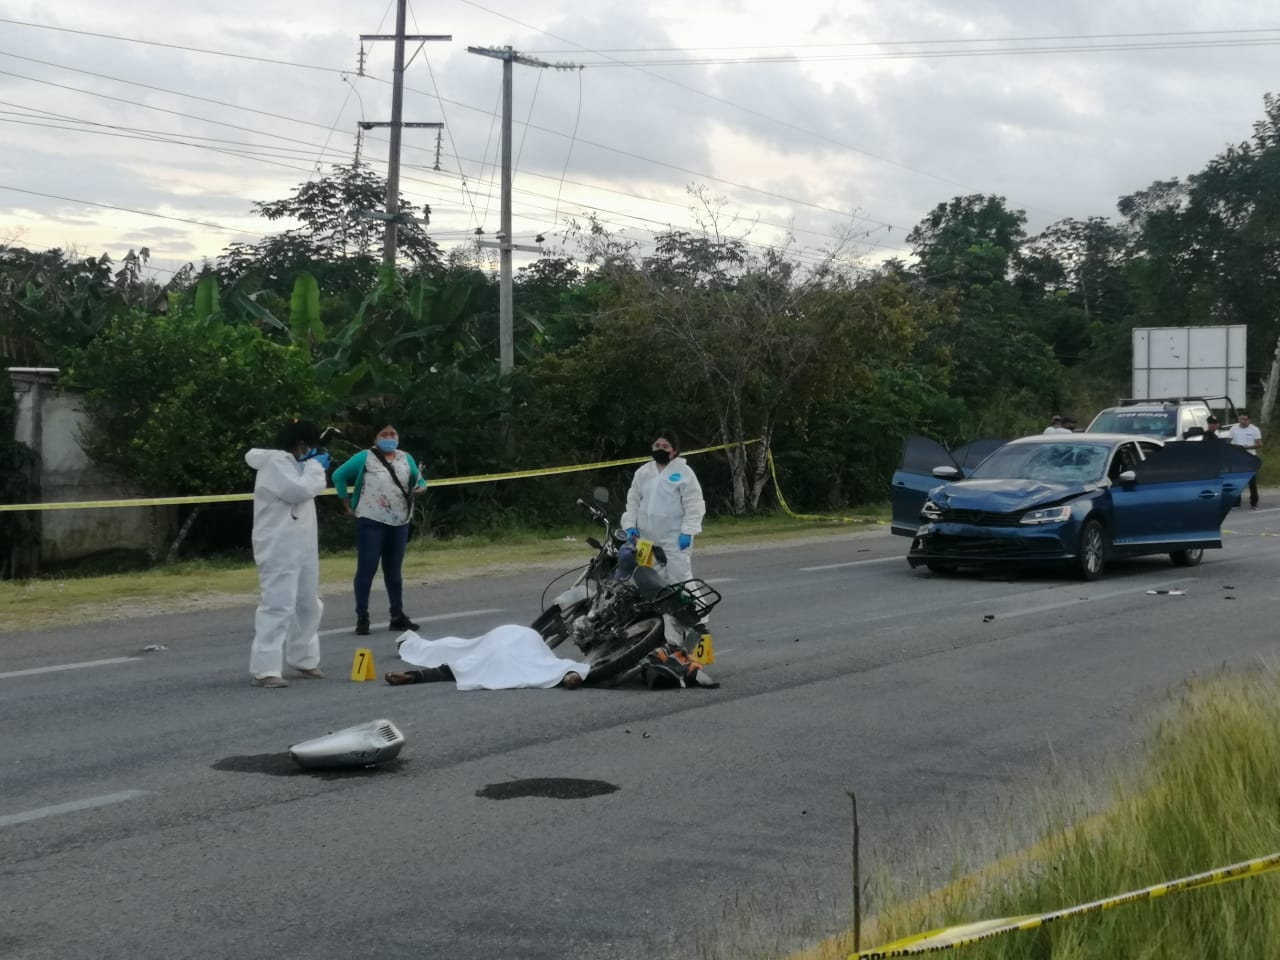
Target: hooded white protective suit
x,y
287,552
663,503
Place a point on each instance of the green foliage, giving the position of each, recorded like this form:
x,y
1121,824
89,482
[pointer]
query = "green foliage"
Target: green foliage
x,y
177,401
304,310
206,301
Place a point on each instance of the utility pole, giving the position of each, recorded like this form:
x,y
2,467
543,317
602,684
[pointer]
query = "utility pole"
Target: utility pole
x,y
506,308
392,216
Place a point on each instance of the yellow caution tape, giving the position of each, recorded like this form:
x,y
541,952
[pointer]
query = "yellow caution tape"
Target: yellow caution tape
x,y
786,508
963,935
444,482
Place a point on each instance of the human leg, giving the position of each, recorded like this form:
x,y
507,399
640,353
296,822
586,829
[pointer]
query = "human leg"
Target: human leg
x,y
272,620
368,553
679,568
302,648
1253,490
421,675
393,545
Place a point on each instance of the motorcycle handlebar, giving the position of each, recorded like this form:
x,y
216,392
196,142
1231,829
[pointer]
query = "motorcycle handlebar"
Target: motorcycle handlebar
x,y
595,513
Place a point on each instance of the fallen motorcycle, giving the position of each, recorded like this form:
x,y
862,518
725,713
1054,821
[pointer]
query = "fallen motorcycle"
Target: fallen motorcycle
x,y
613,612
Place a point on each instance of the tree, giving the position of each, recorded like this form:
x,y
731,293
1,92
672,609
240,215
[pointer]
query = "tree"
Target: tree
x,y
332,242
998,364
176,401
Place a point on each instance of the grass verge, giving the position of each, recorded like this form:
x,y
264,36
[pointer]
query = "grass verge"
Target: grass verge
x,y
207,584
1207,796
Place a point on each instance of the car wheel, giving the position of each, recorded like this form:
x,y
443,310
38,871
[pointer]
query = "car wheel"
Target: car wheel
x,y
1093,551
1187,558
937,566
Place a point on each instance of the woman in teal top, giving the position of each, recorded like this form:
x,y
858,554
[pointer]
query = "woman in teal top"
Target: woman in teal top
x,y
377,487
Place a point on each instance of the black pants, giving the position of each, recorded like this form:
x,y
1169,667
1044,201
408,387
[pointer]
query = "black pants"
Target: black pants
x,y
430,674
1253,490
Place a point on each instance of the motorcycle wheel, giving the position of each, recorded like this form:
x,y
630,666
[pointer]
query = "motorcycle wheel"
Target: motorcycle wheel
x,y
642,637
553,625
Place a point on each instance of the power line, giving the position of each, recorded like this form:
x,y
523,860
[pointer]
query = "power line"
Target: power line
x,y
148,106
436,95
150,86
171,46
944,41
726,102
144,213
573,138
937,54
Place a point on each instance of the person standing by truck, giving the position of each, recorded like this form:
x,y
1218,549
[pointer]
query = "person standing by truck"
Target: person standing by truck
x,y
1247,435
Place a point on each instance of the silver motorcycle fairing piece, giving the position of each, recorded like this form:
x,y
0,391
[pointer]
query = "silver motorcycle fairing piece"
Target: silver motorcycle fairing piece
x,y
360,746
573,596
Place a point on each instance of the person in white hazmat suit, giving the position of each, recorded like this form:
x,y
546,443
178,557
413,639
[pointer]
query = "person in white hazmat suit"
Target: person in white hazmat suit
x,y
665,505
286,548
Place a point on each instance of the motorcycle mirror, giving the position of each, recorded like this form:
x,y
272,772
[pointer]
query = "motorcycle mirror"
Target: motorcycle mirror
x,y
600,495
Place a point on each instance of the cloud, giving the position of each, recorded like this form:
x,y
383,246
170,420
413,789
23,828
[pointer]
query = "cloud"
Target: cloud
x,y
1057,134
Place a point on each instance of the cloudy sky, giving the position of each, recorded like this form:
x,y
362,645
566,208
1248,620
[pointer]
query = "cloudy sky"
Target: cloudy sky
x,y
837,123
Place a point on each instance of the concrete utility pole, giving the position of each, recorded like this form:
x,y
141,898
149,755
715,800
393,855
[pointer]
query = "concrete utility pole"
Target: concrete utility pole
x,y
393,217
506,308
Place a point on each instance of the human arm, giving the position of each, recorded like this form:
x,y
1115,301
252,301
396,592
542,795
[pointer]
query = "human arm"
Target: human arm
x,y
347,476
281,478
693,506
635,498
417,482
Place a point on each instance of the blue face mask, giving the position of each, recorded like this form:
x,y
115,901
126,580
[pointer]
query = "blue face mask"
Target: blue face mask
x,y
388,444
311,452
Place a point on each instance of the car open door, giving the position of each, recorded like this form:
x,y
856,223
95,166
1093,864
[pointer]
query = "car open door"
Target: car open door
x,y
1176,501
972,454
1237,467
913,479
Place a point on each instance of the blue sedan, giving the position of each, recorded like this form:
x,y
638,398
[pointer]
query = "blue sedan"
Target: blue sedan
x,y
1075,498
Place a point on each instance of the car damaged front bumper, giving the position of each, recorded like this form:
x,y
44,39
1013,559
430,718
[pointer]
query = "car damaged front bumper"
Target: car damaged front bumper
x,y
959,543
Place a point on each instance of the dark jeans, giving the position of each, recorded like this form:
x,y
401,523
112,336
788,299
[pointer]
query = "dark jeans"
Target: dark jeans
x,y
377,542
1253,490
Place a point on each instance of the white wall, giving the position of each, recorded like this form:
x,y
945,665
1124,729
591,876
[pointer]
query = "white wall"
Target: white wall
x,y
52,423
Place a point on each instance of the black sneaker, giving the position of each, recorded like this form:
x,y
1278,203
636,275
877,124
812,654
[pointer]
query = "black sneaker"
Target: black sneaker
x,y
362,627
401,623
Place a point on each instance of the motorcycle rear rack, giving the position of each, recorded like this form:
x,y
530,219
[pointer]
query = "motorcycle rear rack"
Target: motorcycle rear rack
x,y
691,597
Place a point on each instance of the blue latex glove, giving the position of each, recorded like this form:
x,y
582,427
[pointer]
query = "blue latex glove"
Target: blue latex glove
x,y
323,459
633,534
685,541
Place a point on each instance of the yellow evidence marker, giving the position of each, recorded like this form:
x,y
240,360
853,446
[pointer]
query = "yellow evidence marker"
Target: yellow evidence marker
x,y
705,652
644,553
362,665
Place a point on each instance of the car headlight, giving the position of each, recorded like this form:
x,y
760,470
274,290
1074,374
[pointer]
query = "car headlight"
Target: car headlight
x,y
1047,515
931,511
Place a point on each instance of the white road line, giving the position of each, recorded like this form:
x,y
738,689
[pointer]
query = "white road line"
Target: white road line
x,y
854,563
84,664
431,619
723,580
60,808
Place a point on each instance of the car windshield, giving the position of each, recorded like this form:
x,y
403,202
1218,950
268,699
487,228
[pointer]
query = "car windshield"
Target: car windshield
x,y
1052,462
1149,423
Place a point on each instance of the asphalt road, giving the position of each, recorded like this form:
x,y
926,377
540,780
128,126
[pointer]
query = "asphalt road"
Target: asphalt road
x,y
147,808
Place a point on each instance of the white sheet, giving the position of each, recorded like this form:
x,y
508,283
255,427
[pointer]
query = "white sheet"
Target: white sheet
x,y
505,658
